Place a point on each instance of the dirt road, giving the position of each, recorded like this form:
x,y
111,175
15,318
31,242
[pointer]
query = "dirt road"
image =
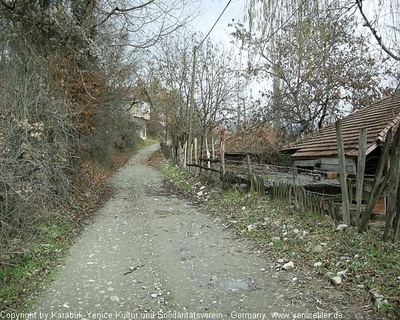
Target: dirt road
x,y
152,254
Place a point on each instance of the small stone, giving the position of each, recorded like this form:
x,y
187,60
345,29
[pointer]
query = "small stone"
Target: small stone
x,y
200,193
317,248
280,260
114,299
251,227
380,302
318,264
288,266
202,188
361,286
296,231
154,295
262,269
336,280
110,289
341,273
275,239
341,226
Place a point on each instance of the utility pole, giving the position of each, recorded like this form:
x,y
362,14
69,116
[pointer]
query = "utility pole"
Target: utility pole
x,y
191,107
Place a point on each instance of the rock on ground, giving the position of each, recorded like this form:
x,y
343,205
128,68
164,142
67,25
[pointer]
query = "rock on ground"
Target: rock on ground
x,y
150,250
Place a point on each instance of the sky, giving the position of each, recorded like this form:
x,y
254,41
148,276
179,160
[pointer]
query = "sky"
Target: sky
x,y
210,10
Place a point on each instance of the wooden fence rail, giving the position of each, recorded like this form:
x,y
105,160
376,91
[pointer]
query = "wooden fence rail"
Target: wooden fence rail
x,y
353,208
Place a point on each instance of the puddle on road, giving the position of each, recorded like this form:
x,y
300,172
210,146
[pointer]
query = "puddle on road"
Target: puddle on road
x,y
166,213
187,258
233,285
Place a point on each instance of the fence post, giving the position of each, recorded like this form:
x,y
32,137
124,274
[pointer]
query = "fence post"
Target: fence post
x,y
185,154
208,153
295,183
396,224
342,170
394,174
379,183
195,150
362,149
190,160
250,173
222,141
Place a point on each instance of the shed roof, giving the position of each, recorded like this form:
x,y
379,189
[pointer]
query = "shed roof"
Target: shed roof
x,y
377,118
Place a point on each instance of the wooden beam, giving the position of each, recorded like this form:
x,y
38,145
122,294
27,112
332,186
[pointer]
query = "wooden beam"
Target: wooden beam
x,y
210,159
362,150
222,156
343,175
250,173
203,167
378,185
394,179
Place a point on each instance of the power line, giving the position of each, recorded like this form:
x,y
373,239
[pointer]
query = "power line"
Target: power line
x,y
215,23
193,76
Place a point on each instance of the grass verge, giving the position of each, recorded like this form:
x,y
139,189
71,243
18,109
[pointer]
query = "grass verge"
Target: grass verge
x,y
368,267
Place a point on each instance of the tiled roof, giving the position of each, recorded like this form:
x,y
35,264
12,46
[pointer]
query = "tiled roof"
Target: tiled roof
x,y
377,118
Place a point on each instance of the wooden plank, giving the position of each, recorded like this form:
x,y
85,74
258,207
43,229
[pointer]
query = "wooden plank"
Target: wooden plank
x,y
203,167
207,153
212,147
396,224
190,160
295,182
343,174
250,173
362,150
212,160
195,150
394,174
222,156
378,185
185,155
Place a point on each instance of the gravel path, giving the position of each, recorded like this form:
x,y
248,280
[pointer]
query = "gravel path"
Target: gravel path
x,y
152,254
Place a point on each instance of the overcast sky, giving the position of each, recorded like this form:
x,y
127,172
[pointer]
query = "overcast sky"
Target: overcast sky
x,y
211,9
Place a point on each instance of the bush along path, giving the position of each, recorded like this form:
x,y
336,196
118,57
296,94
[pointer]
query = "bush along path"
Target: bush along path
x,y
360,269
153,253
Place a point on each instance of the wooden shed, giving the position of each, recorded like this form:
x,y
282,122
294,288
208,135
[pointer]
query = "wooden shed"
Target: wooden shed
x,y
319,151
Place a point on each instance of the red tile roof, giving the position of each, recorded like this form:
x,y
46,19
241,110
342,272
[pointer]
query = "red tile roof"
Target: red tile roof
x,y
377,118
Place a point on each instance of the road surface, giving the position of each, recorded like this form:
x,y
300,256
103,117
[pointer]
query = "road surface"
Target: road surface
x,y
151,254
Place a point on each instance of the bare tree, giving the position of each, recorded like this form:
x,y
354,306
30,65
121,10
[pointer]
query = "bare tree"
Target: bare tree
x,y
383,21
215,87
319,67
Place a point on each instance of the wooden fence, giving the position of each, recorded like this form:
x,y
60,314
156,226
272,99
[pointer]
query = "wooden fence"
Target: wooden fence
x,y
339,207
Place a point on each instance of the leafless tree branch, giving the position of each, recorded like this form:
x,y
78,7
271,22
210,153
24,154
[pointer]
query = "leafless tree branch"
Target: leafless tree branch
x,y
374,32
123,10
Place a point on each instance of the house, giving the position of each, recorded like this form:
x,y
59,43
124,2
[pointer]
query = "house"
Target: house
x,y
319,151
140,115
